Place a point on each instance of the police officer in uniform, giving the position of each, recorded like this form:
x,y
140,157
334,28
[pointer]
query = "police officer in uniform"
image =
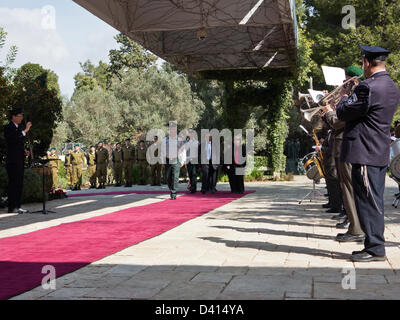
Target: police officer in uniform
x,y
155,169
78,162
142,162
91,163
128,158
368,114
53,164
117,164
101,165
68,168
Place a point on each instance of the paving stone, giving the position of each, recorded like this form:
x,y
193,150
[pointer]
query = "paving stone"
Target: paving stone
x,y
255,283
168,275
212,277
297,295
125,269
68,293
123,292
190,291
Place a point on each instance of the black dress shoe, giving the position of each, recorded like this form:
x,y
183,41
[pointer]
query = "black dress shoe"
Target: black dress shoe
x,y
173,197
347,237
343,225
326,206
366,257
339,216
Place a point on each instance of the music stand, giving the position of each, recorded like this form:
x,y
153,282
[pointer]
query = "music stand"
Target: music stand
x,y
312,195
43,162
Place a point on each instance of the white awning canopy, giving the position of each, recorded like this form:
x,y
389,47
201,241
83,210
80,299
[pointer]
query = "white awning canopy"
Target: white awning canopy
x,y
207,35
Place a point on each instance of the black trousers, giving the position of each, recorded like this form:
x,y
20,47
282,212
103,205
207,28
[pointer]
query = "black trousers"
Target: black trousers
x,y
192,171
15,172
236,181
332,183
370,208
209,179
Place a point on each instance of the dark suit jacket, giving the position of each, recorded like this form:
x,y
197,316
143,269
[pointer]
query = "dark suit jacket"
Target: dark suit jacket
x,y
368,114
203,155
14,143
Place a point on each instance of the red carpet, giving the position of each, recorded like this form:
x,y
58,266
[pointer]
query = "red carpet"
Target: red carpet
x,y
126,192
71,246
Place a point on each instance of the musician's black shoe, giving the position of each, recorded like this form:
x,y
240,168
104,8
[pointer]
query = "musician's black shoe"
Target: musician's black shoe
x,y
339,216
366,257
347,237
343,225
326,205
332,210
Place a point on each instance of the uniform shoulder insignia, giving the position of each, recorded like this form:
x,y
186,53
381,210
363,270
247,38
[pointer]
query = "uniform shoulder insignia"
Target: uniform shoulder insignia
x,y
361,92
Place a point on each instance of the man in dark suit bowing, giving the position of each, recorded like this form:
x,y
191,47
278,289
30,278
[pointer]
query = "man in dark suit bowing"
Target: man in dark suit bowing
x,y
368,115
15,138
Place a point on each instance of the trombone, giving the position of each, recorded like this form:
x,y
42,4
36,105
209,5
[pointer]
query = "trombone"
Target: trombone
x,y
334,95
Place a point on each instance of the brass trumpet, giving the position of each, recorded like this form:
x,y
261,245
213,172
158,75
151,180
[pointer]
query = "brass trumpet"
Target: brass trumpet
x,y
332,98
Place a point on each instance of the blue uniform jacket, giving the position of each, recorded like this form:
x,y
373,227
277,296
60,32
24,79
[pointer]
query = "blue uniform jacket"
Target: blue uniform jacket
x,y
368,115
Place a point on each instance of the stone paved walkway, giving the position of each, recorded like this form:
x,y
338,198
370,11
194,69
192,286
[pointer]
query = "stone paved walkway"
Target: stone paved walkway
x,y
262,246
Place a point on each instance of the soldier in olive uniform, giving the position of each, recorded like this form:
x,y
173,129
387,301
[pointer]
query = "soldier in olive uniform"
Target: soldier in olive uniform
x,y
128,158
91,163
117,164
156,168
68,168
101,165
78,162
54,166
142,162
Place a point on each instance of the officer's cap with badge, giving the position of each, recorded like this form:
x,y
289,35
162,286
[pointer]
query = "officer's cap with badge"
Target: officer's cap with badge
x,y
374,53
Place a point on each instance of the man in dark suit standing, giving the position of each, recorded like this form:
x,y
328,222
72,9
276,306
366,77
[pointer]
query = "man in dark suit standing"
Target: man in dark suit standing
x,y
236,178
15,138
209,166
368,115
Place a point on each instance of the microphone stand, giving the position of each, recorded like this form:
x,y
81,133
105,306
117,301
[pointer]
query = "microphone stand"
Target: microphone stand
x,y
43,211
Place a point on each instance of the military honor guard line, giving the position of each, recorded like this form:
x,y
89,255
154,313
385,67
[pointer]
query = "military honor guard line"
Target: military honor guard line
x,y
353,158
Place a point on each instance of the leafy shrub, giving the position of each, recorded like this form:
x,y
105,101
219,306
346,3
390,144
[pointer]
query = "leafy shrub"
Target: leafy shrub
x,y
32,189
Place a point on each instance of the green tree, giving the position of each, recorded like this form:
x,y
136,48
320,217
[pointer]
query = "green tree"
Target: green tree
x,y
377,23
92,76
151,98
36,91
129,55
5,87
